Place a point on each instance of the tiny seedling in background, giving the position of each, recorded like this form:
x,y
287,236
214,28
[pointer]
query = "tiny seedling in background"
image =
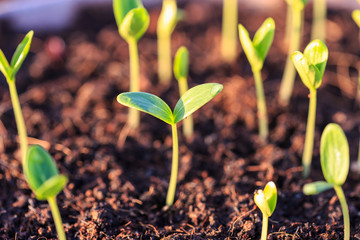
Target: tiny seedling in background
x,y
181,70
229,30
311,67
39,168
132,20
335,161
318,30
192,100
256,52
165,26
266,202
297,19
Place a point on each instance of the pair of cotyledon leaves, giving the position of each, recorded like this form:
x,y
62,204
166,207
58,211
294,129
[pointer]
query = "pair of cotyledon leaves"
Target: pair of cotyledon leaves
x,y
192,100
266,199
335,160
311,64
131,18
257,49
10,70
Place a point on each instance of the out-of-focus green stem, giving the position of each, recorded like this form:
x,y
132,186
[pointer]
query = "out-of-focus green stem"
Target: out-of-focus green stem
x,y
288,27
261,105
345,211
318,30
188,123
229,36
57,217
164,58
174,167
134,115
264,227
287,82
309,137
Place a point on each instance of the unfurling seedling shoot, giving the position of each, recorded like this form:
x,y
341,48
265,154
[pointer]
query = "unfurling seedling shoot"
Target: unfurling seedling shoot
x,y
256,52
311,67
192,100
229,31
181,71
297,19
132,20
266,202
165,26
39,168
335,161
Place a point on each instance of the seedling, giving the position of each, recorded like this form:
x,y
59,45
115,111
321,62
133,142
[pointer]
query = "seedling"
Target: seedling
x,y
297,19
266,202
335,161
229,31
318,30
165,26
39,168
181,70
192,100
132,20
256,52
356,16
310,66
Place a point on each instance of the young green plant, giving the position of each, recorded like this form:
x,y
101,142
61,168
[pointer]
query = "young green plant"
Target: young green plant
x,y
310,66
132,20
297,19
318,30
192,100
256,52
39,168
181,71
165,26
229,31
335,161
266,202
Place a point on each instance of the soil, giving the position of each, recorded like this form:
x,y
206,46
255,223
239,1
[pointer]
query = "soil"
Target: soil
x,y
68,87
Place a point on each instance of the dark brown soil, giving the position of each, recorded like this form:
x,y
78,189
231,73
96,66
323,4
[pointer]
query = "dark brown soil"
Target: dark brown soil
x,y
117,189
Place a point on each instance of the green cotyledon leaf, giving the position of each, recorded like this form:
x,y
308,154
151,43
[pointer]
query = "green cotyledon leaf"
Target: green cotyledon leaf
x,y
181,63
334,154
195,98
266,200
249,49
20,54
134,24
122,7
316,187
4,66
148,103
264,37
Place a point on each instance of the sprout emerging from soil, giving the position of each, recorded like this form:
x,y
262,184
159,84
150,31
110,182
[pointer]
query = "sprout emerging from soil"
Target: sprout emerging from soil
x,y
181,70
165,26
132,20
310,66
318,30
256,52
266,202
335,161
297,19
229,31
39,168
192,100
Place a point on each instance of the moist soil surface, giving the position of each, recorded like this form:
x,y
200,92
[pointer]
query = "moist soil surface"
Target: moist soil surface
x,y
118,178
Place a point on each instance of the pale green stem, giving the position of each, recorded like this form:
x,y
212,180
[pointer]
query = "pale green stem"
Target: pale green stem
x,y
164,58
264,227
229,37
188,123
288,27
174,167
57,218
261,105
345,211
20,123
318,30
287,82
309,137
134,115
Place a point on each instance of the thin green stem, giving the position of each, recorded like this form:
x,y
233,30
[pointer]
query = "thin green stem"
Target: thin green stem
x,y
287,82
261,105
134,115
318,30
229,36
57,218
188,123
164,58
288,26
345,211
309,137
20,123
174,167
264,229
